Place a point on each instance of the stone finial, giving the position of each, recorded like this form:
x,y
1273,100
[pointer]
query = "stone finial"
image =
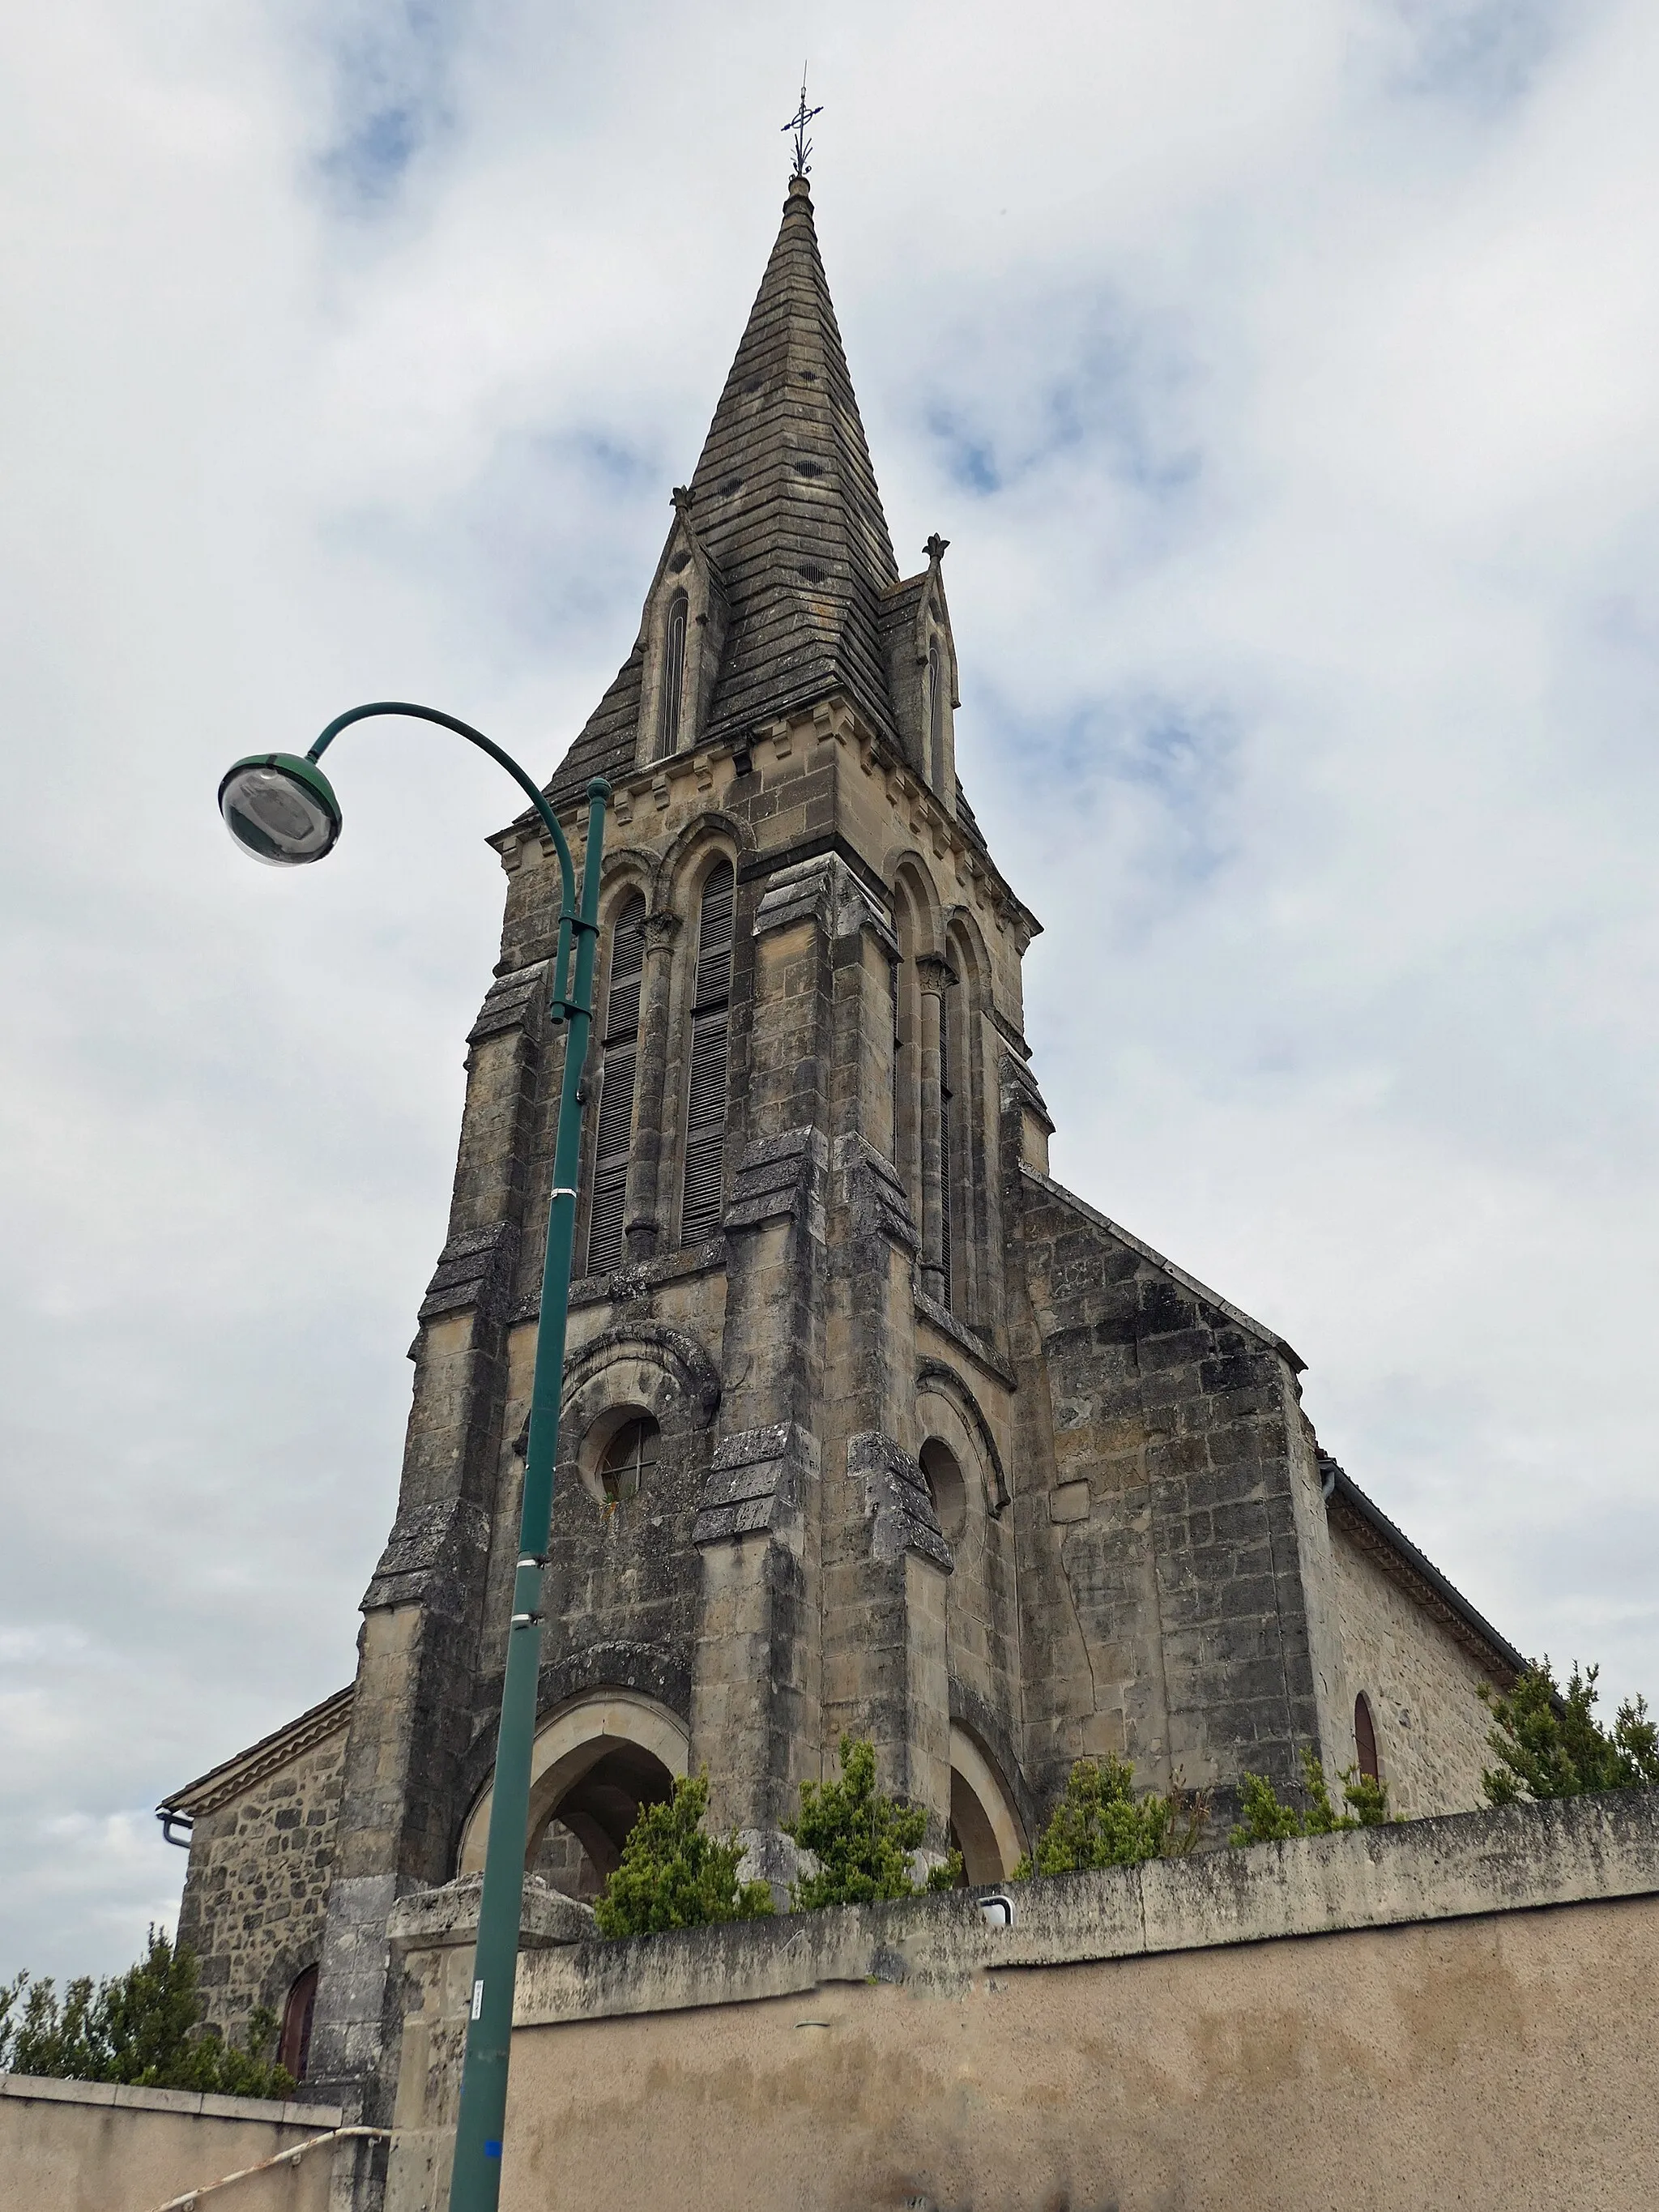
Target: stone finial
x,y
935,548
681,497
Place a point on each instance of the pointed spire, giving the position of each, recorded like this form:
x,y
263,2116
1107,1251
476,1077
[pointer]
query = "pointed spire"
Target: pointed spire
x,y
784,503
785,500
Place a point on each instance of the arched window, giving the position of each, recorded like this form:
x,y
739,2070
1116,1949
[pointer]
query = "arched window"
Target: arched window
x,y
946,1180
626,1466
946,1486
936,715
923,1081
898,1066
294,2045
1364,1737
673,676
702,1203
619,1055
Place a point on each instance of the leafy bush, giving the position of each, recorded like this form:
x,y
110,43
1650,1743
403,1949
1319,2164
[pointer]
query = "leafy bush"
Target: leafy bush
x,y
140,2027
1549,1743
675,1876
1267,1820
861,1838
1100,1822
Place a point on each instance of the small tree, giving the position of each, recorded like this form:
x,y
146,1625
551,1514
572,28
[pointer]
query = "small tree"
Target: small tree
x,y
1549,1743
673,1875
141,2027
1267,1820
1100,1822
861,1838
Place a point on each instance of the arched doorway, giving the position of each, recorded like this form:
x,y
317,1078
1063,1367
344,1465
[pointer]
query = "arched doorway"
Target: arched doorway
x,y
984,1825
581,1840
595,1763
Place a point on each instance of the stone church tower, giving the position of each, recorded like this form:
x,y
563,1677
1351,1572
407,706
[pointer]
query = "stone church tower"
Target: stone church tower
x,y
870,1425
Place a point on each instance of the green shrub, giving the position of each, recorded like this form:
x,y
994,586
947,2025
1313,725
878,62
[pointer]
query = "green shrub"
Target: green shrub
x,y
1100,1822
861,1838
1549,1743
675,1876
1267,1821
141,2027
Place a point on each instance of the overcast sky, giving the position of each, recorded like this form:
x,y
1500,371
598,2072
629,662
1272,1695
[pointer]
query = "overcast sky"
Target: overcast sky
x,y
1284,379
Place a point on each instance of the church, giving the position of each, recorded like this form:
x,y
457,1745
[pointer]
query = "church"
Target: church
x,y
870,1425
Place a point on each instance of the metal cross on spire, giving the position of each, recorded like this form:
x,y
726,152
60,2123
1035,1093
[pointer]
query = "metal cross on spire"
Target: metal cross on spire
x,y
798,123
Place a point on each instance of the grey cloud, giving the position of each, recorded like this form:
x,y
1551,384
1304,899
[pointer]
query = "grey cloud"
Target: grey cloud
x,y
1298,460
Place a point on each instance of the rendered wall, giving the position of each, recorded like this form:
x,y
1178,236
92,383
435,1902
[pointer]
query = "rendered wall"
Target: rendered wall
x,y
87,2146
1453,2012
1414,2067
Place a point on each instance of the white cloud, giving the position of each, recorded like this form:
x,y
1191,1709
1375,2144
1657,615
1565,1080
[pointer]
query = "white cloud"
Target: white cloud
x,y
1282,378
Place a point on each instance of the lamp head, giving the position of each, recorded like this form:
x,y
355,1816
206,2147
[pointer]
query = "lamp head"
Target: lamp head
x,y
280,808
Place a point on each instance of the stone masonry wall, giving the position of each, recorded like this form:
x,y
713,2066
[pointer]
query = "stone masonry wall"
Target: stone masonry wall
x,y
1163,1576
256,1890
1419,1682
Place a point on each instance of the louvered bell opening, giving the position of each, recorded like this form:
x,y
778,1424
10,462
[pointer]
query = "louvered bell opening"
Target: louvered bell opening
x,y
610,1147
622,1013
701,1203
604,1228
945,1200
714,938
614,1132
705,1127
947,1184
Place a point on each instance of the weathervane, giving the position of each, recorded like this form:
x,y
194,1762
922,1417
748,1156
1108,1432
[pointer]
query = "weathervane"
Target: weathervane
x,y
798,123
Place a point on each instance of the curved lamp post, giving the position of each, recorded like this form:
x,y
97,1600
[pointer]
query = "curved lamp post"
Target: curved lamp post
x,y
282,808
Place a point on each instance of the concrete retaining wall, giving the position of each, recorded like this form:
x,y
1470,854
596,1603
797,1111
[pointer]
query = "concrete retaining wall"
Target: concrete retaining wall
x,y
93,2146
1456,2012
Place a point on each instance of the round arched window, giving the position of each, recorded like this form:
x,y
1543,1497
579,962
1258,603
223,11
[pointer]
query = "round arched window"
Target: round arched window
x,y
946,1486
626,1464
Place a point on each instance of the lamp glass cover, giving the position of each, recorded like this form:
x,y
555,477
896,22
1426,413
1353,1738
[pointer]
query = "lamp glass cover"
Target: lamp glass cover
x,y
276,816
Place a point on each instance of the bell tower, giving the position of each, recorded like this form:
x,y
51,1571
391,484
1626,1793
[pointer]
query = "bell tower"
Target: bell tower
x,y
869,1426
793,1191
809,979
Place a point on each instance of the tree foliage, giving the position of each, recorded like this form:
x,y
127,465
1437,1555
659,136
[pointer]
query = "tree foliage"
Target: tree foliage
x,y
861,1838
1549,1743
1100,1822
141,2027
1267,1820
675,1875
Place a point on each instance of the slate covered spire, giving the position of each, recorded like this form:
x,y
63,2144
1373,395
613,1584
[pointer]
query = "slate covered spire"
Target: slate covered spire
x,y
784,500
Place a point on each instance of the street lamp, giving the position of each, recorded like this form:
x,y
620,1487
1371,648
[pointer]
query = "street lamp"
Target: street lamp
x,y
282,808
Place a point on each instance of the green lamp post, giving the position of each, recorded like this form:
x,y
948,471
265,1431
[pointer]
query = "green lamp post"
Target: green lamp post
x,y
282,808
